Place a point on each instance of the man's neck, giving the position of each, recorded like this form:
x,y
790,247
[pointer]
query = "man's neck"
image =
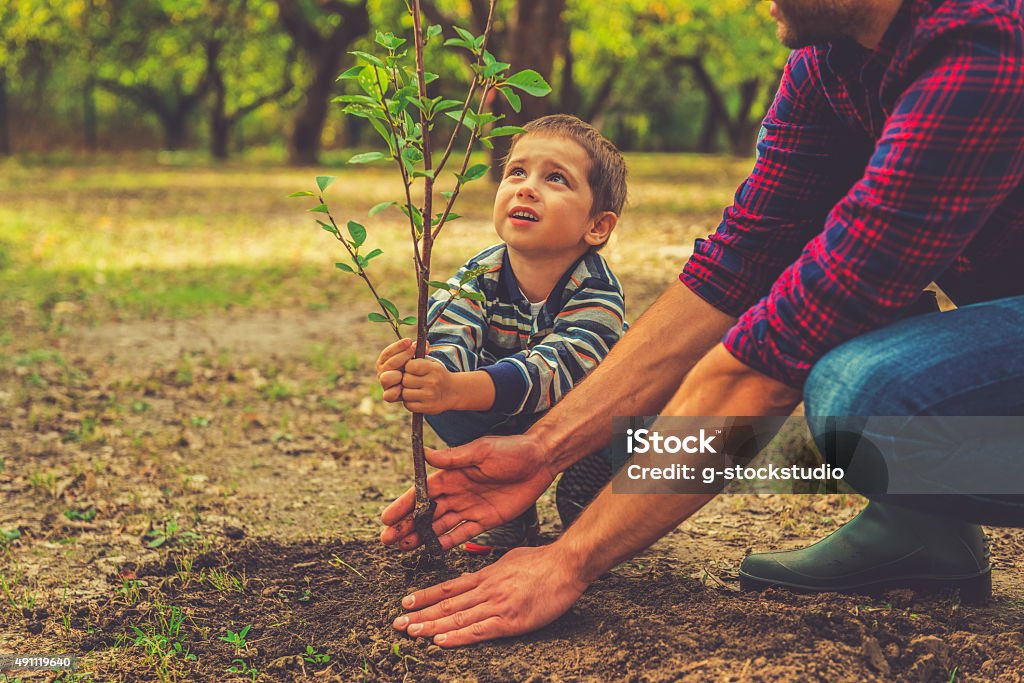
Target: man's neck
x,y
538,276
879,18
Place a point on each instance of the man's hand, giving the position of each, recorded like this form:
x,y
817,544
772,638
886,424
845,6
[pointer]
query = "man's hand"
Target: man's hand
x,y
479,486
427,387
529,588
390,365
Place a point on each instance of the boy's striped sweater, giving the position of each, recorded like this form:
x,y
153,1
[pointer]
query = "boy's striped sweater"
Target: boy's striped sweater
x,y
533,362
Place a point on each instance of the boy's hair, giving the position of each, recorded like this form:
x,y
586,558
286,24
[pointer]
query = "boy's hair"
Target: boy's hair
x,y
607,175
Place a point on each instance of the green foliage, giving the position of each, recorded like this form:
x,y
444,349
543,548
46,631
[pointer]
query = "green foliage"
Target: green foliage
x,y
396,103
237,638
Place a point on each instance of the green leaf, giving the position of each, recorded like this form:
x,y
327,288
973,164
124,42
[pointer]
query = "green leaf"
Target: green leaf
x,y
447,194
458,42
472,296
358,233
344,267
322,181
322,208
372,255
437,284
423,174
389,40
356,99
451,217
367,57
367,157
304,193
380,207
429,78
472,273
414,213
408,320
495,68
350,73
377,318
475,172
328,227
433,31
501,131
530,82
464,34
445,105
469,119
392,309
513,98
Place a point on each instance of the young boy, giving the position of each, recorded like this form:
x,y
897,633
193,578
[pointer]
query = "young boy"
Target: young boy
x,y
552,309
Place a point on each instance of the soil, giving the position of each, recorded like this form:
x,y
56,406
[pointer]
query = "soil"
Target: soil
x,y
159,470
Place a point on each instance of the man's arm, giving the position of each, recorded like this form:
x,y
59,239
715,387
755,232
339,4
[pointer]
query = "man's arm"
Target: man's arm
x,y
640,374
503,600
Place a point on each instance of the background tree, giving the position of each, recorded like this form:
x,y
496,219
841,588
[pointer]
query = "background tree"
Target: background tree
x,y
323,32
249,62
152,55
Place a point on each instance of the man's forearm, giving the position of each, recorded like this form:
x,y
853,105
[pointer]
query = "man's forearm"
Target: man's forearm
x,y
618,526
637,378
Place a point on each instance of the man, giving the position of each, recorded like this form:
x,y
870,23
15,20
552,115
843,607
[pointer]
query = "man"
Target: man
x,y
892,157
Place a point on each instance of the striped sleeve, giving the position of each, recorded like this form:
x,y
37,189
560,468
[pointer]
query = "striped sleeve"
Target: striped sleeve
x,y
583,332
458,335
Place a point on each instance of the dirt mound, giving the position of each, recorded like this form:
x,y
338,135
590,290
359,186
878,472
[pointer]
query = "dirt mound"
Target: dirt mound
x,y
324,609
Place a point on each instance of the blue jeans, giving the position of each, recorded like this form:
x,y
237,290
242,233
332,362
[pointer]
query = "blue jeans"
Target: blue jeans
x,y
966,362
458,427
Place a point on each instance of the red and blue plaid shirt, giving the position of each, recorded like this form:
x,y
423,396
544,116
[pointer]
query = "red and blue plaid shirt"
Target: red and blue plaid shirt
x,y
878,172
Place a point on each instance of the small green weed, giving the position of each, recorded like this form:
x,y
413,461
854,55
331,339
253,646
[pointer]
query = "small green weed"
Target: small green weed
x,y
313,656
86,515
167,533
237,638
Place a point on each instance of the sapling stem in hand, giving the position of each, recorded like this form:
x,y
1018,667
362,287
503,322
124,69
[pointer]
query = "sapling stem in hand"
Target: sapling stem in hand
x,y
395,101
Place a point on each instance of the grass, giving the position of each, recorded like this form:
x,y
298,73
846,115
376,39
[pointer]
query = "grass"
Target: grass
x,y
142,240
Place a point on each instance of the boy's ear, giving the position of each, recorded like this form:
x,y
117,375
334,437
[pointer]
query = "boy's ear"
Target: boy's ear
x,y
601,229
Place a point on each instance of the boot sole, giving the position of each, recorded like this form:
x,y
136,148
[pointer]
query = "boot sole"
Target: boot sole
x,y
974,590
531,539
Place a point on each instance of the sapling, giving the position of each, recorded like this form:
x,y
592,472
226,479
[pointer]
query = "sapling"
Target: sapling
x,y
395,101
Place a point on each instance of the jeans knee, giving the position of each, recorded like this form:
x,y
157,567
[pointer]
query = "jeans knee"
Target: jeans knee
x,y
852,379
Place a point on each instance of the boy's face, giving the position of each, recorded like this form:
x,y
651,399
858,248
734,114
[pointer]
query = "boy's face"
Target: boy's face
x,y
542,207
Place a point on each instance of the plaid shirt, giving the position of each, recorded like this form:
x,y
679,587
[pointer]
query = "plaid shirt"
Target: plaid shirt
x,y
534,362
912,158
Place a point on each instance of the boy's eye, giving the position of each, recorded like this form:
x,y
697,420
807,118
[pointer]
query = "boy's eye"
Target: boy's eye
x,y
517,171
558,178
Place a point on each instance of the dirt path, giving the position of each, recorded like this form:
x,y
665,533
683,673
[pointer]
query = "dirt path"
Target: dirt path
x,y
230,471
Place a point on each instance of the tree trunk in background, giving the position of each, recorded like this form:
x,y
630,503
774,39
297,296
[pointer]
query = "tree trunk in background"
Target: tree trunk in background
x,y
5,140
325,54
220,126
534,37
175,130
89,114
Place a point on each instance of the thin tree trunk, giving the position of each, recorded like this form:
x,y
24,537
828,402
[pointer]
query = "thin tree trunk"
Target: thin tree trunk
x,y
532,43
5,140
89,114
309,122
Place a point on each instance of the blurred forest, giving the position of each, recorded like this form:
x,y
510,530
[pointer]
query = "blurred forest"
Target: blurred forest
x,y
228,77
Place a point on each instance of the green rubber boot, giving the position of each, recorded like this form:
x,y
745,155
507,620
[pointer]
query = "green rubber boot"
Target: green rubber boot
x,y
883,547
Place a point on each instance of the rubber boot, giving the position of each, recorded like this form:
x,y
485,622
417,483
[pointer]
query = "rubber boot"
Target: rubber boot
x,y
884,547
523,530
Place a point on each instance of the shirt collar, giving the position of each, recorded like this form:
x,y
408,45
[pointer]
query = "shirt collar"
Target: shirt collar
x,y
511,285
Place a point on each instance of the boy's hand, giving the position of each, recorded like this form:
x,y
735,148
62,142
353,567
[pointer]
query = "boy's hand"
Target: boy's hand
x,y
427,387
390,365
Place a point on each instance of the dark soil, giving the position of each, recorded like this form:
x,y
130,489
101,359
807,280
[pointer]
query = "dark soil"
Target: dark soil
x,y
644,622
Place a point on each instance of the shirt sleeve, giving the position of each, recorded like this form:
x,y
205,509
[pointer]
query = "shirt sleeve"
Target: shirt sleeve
x,y
583,333
457,337
806,160
950,153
